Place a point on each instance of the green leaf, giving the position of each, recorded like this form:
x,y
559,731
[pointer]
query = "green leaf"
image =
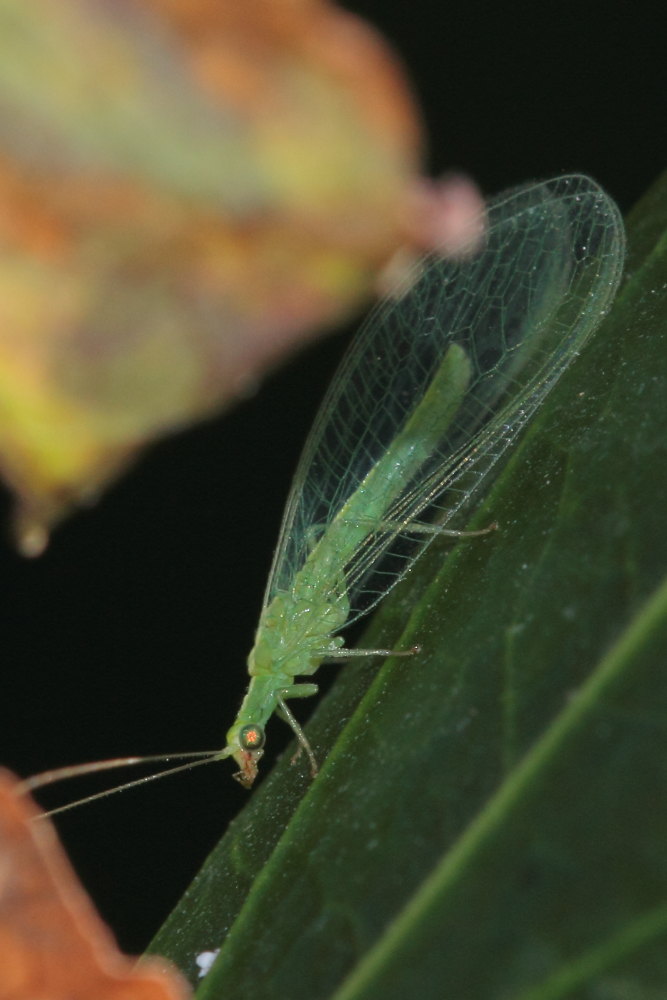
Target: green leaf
x,y
491,817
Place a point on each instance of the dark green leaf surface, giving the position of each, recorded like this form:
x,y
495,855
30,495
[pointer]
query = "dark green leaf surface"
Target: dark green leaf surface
x,y
491,818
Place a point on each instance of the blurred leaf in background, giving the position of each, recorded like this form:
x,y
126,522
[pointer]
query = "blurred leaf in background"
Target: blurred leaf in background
x,y
188,188
52,940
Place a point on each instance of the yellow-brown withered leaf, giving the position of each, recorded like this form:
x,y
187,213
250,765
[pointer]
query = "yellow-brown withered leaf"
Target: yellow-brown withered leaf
x,y
53,943
188,188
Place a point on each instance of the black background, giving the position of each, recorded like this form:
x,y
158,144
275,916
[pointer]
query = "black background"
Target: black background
x,y
130,634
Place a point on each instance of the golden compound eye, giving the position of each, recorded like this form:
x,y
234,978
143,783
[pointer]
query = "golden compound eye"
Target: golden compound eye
x,y
251,737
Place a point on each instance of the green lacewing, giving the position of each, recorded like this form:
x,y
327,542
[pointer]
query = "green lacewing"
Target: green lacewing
x,y
436,386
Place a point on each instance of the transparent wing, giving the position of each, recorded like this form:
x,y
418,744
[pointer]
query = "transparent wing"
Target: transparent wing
x,y
520,309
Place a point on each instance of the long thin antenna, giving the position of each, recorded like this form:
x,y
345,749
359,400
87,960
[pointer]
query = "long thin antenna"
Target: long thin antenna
x,y
195,759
